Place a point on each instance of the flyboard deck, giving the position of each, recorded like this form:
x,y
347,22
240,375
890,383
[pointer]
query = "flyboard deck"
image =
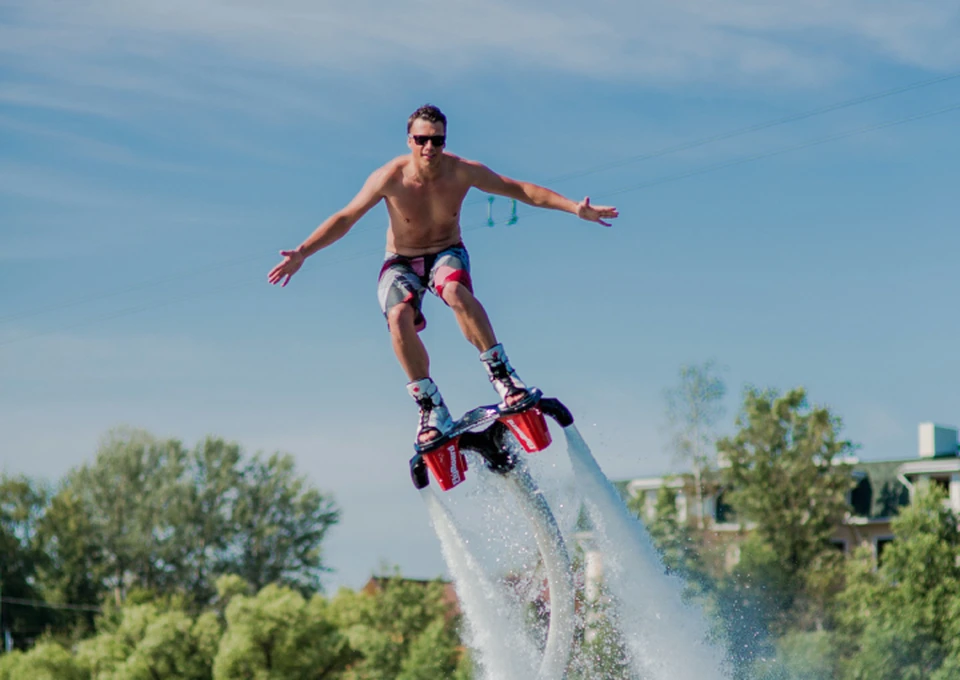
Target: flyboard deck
x,y
484,430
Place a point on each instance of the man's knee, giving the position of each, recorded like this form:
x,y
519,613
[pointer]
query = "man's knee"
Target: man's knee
x,y
401,316
456,295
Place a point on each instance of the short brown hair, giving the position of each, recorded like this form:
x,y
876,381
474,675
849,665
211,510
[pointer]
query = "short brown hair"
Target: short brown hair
x,y
429,113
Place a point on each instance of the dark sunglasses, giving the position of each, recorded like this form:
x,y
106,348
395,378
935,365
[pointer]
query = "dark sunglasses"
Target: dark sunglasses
x,y
421,140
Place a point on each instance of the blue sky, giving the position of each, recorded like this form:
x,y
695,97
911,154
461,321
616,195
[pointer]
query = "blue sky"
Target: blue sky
x,y
156,158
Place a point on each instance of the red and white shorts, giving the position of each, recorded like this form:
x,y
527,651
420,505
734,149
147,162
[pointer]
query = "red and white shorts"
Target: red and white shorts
x,y
406,279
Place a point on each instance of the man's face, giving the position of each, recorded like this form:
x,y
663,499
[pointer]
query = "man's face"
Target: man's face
x,y
431,149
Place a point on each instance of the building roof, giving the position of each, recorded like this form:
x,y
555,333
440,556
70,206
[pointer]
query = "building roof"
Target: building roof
x,y
878,494
941,464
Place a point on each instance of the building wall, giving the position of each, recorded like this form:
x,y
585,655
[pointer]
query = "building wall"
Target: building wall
x,y
872,535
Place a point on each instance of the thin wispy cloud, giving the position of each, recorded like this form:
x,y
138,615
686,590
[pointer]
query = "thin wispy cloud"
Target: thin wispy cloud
x,y
90,148
138,49
48,186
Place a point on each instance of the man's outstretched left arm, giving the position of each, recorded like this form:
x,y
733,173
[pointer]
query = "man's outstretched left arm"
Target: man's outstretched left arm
x,y
485,179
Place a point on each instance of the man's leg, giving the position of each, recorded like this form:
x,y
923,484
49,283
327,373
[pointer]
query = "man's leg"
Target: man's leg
x,y
477,329
471,315
407,344
434,416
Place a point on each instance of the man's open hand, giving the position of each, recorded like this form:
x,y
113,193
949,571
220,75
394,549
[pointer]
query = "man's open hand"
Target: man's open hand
x,y
595,213
292,261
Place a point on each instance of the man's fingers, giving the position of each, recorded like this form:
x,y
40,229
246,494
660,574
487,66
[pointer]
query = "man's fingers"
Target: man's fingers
x,y
277,273
595,212
286,269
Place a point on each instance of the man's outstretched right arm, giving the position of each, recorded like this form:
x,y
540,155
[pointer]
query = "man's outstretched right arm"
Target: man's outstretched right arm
x,y
334,227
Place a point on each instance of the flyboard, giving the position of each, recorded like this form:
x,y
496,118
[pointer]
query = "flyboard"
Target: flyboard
x,y
490,432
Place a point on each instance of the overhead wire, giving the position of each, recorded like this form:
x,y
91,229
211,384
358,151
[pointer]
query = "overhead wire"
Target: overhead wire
x,y
739,132
782,150
659,153
619,163
136,309
634,187
50,605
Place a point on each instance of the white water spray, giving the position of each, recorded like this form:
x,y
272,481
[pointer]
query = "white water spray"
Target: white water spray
x,y
666,638
504,649
553,551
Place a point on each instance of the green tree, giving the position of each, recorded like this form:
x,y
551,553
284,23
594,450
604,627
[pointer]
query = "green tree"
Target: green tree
x,y
799,656
150,514
73,569
280,522
601,650
46,661
788,475
951,664
386,624
206,530
127,492
750,601
150,641
432,654
693,408
21,504
466,669
900,620
278,635
678,546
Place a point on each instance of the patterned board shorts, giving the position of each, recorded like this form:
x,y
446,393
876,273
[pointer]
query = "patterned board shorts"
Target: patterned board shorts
x,y
406,279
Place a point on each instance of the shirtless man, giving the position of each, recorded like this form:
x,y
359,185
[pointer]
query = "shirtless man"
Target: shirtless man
x,y
424,192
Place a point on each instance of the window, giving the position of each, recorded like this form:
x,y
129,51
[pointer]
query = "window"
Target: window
x,y
942,483
882,543
724,513
861,498
839,544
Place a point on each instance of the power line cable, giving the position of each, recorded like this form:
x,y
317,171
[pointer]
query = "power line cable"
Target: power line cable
x,y
685,146
50,605
739,132
128,311
622,190
767,154
783,150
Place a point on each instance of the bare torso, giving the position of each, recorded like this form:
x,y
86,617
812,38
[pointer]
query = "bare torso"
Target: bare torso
x,y
424,211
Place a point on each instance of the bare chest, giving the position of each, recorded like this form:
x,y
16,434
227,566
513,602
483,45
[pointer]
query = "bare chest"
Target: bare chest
x,y
426,204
